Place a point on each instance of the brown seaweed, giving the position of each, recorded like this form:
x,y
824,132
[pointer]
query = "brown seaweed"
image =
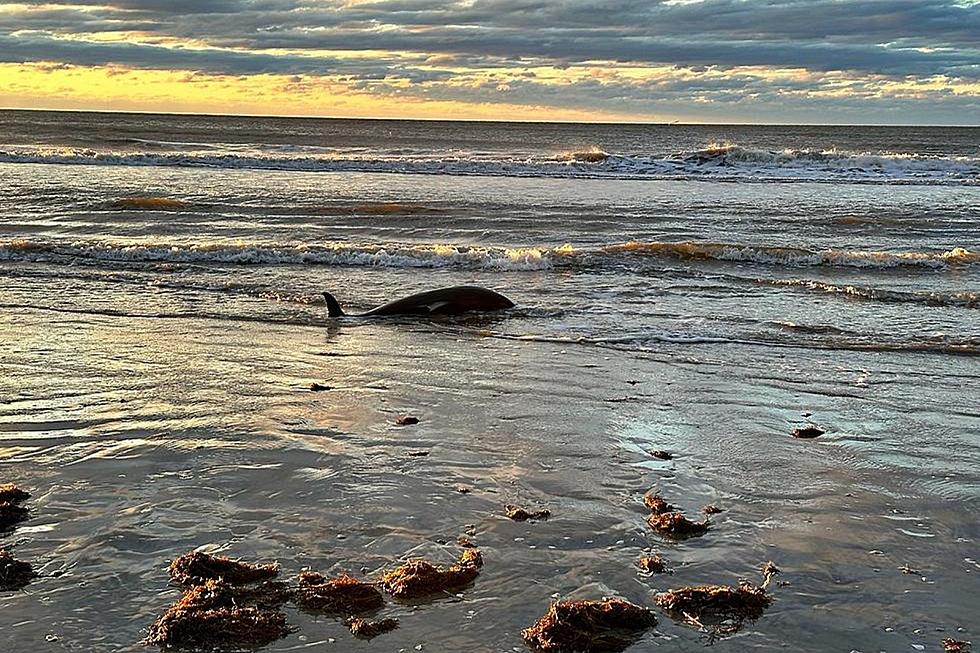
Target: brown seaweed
x,y
370,629
517,513
676,525
746,601
319,387
653,564
471,556
769,571
195,568
217,615
807,432
606,626
343,595
406,420
14,574
662,455
10,493
11,514
269,594
656,503
417,578
951,645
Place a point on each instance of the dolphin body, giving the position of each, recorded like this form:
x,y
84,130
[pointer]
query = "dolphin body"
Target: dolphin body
x,y
444,301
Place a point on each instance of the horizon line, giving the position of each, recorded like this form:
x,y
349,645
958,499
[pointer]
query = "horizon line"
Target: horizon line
x,y
489,120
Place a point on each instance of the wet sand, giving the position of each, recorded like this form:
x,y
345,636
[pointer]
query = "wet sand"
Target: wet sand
x,y
144,439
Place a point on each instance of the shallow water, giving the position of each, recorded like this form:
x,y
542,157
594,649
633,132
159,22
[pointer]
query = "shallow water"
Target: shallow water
x,y
156,358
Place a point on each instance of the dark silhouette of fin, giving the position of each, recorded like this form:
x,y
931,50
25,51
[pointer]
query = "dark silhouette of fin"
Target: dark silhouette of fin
x,y
333,307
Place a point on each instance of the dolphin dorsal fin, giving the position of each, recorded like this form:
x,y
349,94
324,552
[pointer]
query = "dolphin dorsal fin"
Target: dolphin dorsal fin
x,y
333,306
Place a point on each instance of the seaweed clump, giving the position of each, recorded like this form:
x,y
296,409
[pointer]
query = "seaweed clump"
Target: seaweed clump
x,y
14,574
218,615
195,568
418,578
807,432
517,513
719,610
675,524
951,645
746,601
370,629
342,595
667,520
11,513
608,625
656,503
10,493
653,564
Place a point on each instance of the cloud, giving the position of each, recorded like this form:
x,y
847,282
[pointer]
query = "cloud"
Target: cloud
x,y
494,50
39,46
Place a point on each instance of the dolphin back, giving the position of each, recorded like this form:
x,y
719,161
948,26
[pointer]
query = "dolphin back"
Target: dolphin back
x,y
445,301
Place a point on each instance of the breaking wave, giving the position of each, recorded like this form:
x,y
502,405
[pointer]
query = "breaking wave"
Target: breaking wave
x,y
798,257
716,162
965,299
435,255
388,255
591,155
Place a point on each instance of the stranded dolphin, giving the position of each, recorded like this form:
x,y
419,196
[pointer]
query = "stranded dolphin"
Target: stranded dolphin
x,y
444,301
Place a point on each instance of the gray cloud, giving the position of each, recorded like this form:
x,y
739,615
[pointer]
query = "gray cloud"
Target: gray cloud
x,y
42,47
817,34
898,39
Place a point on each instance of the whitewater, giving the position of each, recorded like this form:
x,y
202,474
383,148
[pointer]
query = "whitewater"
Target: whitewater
x,y
716,162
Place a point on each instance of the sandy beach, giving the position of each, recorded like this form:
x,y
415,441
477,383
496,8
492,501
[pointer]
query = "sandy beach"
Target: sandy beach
x,y
157,362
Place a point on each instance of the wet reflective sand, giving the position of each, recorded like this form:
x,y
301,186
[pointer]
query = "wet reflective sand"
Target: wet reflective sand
x,y
142,439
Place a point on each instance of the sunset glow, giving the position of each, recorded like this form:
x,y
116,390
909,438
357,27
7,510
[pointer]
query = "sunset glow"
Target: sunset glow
x,y
712,60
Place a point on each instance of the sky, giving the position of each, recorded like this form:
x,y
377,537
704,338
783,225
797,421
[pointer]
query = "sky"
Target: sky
x,y
745,61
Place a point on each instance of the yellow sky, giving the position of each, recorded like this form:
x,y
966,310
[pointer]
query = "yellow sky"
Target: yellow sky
x,y
112,88
115,88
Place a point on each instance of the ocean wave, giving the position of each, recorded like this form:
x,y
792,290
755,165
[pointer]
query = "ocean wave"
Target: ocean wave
x,y
728,154
590,155
437,255
388,255
716,162
965,299
148,203
655,343
797,257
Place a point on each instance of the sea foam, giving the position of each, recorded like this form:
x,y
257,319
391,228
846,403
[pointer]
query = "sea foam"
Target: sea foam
x,y
715,162
438,255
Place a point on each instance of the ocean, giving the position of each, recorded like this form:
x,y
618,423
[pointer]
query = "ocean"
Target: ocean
x,y
702,290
